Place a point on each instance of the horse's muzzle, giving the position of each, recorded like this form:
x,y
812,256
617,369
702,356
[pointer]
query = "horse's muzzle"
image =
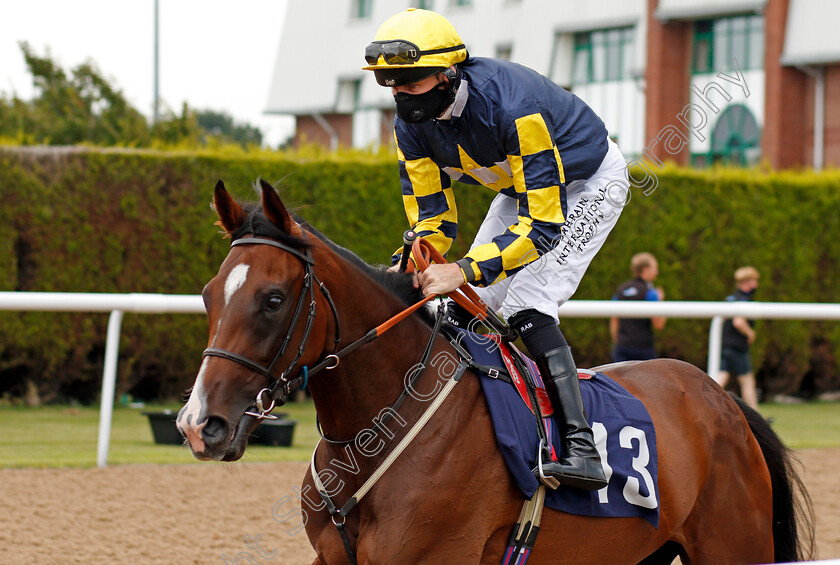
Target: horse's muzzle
x,y
215,439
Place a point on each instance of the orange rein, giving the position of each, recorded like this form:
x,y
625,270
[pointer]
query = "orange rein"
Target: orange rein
x,y
424,254
464,296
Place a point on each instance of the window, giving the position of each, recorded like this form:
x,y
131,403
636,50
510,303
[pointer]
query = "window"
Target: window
x,y
612,40
348,96
562,59
362,9
717,42
736,137
703,37
424,4
755,44
582,69
504,51
460,3
604,55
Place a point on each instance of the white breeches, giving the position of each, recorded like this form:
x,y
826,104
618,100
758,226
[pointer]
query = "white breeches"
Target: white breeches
x,y
593,207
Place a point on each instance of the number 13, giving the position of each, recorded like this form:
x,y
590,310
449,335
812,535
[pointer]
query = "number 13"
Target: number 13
x,y
631,492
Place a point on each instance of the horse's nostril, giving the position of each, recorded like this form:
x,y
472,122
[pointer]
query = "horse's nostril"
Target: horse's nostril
x,y
215,430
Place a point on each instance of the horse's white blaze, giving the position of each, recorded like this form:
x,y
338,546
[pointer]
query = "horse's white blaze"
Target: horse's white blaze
x,y
235,280
188,421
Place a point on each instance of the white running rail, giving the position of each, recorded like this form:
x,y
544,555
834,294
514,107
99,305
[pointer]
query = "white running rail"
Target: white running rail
x,y
118,304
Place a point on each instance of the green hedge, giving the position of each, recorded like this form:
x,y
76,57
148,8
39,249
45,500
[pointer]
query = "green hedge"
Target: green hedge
x,y
133,221
702,225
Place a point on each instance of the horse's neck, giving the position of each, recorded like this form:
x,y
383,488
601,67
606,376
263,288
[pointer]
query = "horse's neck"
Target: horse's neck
x,y
352,396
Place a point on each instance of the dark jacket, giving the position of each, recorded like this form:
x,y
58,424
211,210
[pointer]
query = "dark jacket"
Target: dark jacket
x,y
635,333
514,131
732,338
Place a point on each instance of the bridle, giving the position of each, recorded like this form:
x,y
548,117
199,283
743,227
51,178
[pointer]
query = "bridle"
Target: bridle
x,y
280,388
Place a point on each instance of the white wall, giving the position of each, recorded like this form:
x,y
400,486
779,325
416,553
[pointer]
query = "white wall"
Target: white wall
x,y
621,104
669,9
321,44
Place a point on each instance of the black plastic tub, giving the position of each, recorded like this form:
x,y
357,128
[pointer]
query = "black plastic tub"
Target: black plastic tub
x,y
163,427
269,432
274,432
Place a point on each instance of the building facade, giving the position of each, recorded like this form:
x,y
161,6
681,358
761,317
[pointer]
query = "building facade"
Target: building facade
x,y
692,81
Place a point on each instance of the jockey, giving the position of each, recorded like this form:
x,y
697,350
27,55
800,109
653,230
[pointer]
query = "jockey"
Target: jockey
x,y
560,181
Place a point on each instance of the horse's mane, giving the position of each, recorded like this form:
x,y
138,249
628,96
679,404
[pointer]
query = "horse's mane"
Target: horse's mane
x,y
400,285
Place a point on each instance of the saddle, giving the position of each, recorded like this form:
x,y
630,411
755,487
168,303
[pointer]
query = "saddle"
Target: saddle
x,y
523,422
524,375
525,428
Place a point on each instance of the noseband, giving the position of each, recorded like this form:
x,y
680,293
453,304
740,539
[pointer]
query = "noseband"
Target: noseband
x,y
281,387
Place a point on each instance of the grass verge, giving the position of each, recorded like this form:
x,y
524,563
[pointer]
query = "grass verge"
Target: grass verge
x,y
66,436
805,425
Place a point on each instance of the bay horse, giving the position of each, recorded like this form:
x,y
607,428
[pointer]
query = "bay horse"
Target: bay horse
x,y
286,298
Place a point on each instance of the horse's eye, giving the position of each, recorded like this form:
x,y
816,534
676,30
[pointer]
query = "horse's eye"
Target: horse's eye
x,y
274,302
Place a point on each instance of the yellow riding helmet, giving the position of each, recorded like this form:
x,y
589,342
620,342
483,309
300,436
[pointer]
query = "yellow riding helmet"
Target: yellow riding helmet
x,y
415,39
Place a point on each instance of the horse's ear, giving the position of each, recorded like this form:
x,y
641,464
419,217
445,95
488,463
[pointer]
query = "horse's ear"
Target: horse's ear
x,y
276,211
231,214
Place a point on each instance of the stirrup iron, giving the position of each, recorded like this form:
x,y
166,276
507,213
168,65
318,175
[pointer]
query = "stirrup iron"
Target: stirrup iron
x,y
547,480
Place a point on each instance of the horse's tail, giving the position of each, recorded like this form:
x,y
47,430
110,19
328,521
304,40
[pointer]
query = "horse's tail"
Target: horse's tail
x,y
793,514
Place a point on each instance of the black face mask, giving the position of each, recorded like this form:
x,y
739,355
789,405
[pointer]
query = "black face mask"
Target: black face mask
x,y
417,108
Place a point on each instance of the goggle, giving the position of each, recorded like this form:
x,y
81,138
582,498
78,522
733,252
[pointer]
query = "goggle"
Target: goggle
x,y
400,52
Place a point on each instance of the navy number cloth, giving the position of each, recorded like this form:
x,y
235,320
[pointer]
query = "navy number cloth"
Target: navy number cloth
x,y
624,435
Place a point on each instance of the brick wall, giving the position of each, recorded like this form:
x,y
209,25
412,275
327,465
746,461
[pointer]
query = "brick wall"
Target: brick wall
x,y
387,132
667,78
832,115
784,140
309,131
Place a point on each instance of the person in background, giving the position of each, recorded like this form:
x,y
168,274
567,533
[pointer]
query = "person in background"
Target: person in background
x,y
738,335
633,337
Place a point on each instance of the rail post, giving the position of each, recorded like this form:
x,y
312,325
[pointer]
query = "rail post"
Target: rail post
x,y
715,339
109,380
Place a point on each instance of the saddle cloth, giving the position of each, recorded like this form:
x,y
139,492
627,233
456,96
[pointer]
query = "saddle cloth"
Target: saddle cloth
x,y
623,431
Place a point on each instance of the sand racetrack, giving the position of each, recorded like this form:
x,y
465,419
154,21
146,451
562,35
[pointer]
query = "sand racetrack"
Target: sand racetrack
x,y
202,513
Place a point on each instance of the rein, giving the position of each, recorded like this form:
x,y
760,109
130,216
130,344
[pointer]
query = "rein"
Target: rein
x,y
423,252
281,387
339,515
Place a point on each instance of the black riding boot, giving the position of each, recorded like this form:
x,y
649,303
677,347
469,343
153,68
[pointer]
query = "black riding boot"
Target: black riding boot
x,y
581,465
